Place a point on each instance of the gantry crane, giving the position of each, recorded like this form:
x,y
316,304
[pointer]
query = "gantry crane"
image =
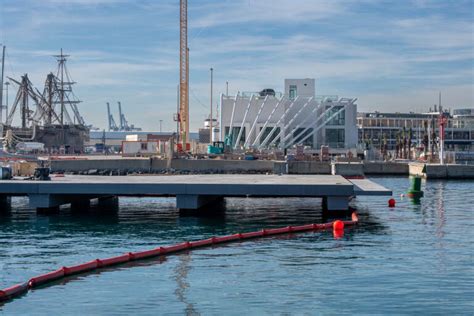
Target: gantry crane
x,y
183,115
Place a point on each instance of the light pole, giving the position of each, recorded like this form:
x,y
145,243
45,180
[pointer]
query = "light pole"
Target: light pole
x,y
210,122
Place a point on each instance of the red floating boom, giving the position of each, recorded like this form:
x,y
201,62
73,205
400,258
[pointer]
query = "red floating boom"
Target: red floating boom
x,y
20,289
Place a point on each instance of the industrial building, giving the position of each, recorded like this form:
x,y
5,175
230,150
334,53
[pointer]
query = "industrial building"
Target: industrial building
x,y
113,139
267,119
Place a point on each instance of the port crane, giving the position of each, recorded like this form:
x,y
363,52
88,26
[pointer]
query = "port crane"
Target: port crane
x,y
123,123
112,124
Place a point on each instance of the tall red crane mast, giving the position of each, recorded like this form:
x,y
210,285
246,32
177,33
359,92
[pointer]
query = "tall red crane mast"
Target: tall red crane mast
x,y
183,115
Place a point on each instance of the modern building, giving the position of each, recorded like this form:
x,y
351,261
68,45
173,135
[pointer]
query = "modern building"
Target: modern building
x,y
268,119
376,126
466,113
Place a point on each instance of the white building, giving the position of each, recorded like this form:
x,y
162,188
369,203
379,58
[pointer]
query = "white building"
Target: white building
x,y
267,120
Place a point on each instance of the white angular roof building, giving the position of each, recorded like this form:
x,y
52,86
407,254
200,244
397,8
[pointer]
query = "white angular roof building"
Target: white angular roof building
x,y
268,119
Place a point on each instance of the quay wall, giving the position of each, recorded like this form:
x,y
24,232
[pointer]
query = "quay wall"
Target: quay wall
x,y
365,168
447,171
388,168
347,169
147,165
86,165
151,165
214,165
309,167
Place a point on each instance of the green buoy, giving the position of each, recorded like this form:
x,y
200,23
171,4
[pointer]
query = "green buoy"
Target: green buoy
x,y
415,189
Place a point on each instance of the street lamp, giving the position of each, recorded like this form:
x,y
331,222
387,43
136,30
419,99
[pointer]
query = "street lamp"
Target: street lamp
x,y
211,125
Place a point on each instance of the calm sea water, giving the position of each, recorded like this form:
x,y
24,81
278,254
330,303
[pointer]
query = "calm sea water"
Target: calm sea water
x,y
414,259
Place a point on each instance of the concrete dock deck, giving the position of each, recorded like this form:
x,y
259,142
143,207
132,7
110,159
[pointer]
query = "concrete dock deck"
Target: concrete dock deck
x,y
191,191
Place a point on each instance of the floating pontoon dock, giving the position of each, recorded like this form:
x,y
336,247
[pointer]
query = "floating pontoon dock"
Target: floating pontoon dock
x,y
191,191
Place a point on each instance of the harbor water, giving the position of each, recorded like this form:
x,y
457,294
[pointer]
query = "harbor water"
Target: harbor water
x,y
412,259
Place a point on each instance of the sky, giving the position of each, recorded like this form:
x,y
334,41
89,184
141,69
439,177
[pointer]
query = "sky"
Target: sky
x,y
392,55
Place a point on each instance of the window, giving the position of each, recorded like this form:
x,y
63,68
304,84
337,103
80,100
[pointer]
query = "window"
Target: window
x,y
144,146
232,138
335,138
266,132
339,119
293,92
303,138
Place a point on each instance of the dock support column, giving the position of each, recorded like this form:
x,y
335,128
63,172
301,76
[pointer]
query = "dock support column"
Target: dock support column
x,y
80,205
5,204
47,203
47,210
336,203
108,204
194,202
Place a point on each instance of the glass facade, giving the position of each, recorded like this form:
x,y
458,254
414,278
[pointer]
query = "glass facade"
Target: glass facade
x,y
308,141
335,137
267,131
235,133
338,120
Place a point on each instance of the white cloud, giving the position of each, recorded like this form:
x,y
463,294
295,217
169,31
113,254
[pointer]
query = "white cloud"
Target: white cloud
x,y
340,41
264,11
455,96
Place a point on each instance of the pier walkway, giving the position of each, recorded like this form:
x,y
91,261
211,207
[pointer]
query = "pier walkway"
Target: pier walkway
x,y
191,191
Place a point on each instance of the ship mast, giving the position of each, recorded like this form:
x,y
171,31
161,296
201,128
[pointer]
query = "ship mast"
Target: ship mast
x,y
65,93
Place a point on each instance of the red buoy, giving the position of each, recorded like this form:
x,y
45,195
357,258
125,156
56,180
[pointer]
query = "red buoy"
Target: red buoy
x,y
338,234
338,225
391,203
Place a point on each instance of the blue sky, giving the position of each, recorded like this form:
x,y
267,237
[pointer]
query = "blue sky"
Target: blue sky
x,y
391,55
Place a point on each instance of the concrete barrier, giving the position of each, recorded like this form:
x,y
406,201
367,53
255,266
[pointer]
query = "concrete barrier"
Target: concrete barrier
x,y
348,169
309,167
280,167
145,165
460,171
388,168
200,165
84,165
437,171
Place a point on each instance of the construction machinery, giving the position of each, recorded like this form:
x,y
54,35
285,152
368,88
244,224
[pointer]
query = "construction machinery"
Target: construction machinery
x,y
217,148
183,114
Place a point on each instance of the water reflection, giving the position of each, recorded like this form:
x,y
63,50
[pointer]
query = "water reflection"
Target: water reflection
x,y
180,276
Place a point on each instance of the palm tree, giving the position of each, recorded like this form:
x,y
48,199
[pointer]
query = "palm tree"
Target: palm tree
x,y
410,135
